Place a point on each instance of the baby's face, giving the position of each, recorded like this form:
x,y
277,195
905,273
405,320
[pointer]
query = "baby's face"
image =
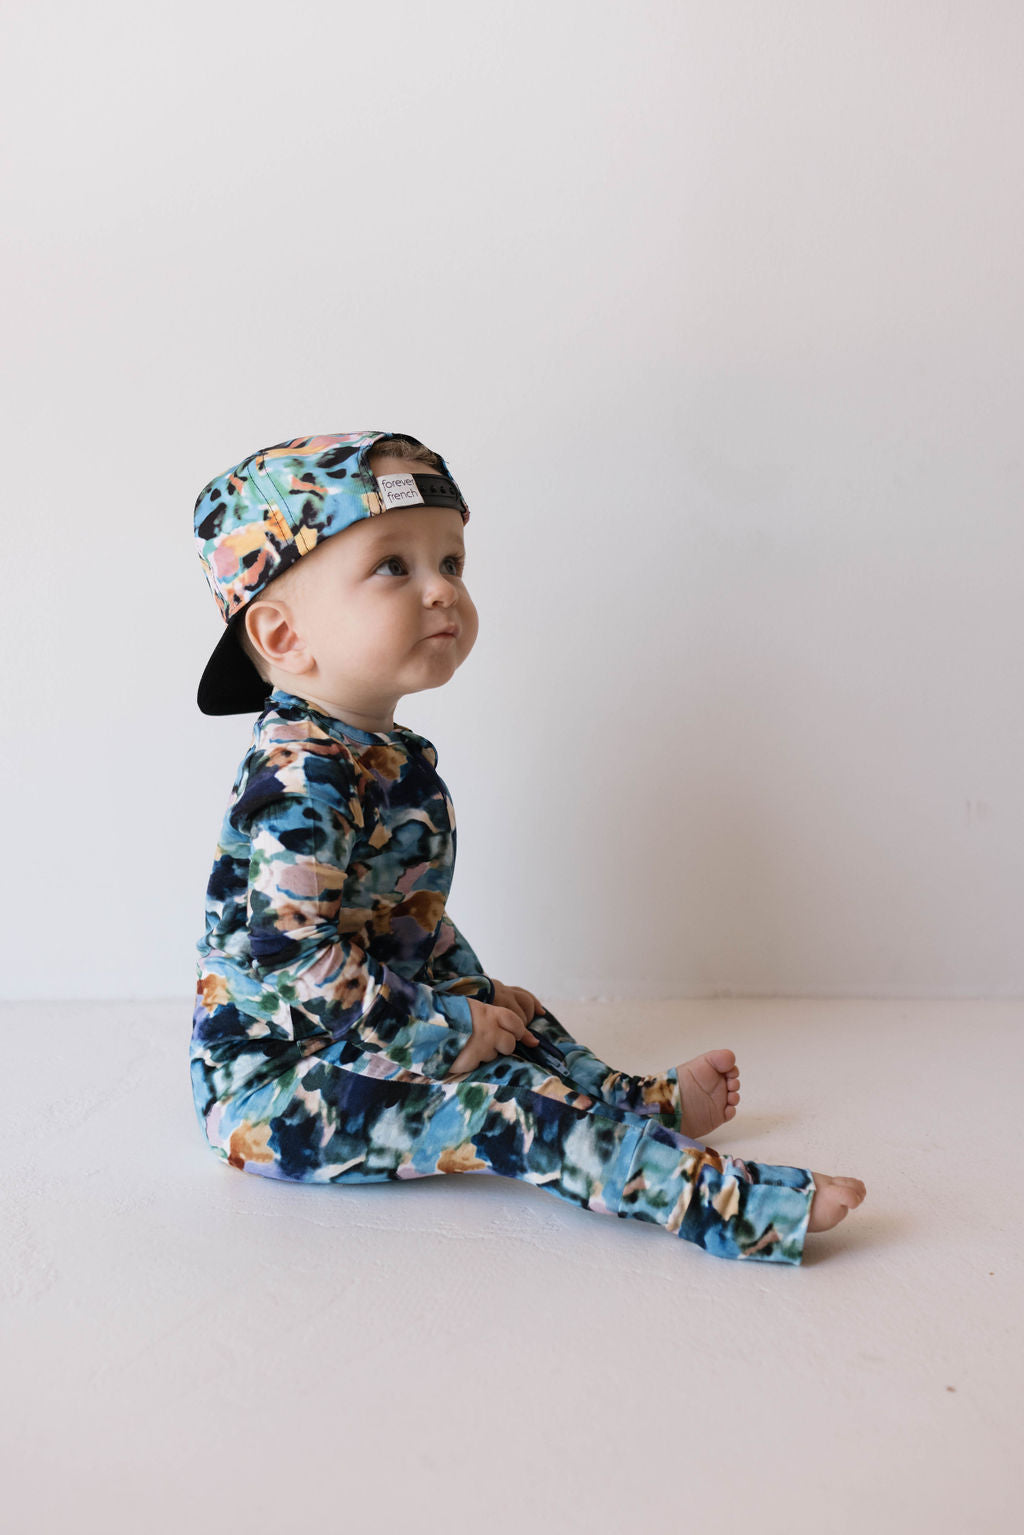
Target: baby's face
x,y
370,605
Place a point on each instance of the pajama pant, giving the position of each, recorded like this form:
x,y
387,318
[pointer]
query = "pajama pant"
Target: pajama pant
x,y
553,1115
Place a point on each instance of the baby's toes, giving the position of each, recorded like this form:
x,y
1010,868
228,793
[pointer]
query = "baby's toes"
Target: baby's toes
x,y
708,1077
705,1096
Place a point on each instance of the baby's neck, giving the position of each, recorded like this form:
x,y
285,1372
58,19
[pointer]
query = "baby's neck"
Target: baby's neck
x,y
372,723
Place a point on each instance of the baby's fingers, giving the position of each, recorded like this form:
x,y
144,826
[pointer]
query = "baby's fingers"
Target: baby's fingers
x,y
513,1024
527,1002
529,1036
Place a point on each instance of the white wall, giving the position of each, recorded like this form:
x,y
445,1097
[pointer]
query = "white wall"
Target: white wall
x,y
715,311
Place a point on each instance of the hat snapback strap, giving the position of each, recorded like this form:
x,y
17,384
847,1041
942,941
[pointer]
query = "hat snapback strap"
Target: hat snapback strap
x,y
398,490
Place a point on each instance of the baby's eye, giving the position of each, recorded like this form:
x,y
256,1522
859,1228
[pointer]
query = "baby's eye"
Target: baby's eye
x,y
392,559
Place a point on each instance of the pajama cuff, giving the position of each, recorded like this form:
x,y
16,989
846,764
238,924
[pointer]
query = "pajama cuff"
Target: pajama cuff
x,y
773,1225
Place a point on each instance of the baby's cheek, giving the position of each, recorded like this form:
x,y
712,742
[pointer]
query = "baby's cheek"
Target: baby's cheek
x,y
470,627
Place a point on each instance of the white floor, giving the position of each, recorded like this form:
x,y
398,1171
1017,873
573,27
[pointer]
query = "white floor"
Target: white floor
x,y
190,1349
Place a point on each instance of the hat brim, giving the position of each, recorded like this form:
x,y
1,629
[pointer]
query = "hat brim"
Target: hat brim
x,y
231,684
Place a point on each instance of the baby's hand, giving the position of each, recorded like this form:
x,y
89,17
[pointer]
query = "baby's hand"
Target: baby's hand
x,y
495,1031
517,998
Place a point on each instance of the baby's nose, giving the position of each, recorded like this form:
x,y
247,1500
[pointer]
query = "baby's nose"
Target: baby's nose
x,y
443,588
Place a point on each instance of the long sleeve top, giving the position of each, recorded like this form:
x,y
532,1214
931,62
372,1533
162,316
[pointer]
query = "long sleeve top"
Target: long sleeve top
x,y
325,907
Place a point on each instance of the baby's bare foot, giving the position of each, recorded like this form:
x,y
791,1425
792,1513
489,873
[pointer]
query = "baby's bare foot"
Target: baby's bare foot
x,y
833,1197
709,1089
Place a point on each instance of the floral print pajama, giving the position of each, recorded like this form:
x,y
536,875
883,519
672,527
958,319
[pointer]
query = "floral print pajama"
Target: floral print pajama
x,y
332,999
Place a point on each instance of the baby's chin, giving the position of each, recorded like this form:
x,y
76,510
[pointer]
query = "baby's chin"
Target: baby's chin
x,y
431,676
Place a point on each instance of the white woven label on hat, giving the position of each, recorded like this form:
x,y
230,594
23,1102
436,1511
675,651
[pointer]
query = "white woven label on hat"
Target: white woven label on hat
x,y
398,490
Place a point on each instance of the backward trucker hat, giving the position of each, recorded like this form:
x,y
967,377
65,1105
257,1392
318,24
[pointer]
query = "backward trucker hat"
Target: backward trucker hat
x,y
256,519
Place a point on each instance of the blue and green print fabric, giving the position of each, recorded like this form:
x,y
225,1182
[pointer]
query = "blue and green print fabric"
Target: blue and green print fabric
x,y
333,997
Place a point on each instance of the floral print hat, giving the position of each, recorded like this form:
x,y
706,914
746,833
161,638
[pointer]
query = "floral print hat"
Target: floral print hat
x,y
256,519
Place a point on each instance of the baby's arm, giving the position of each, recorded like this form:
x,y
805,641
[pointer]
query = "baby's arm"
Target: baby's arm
x,y
315,980
454,966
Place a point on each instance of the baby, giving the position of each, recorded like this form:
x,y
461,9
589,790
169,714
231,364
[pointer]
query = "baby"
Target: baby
x,y
344,1029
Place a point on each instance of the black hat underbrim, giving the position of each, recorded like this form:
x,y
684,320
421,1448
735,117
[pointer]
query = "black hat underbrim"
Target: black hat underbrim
x,y
231,684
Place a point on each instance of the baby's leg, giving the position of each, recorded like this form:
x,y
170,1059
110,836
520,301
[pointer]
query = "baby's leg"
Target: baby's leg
x,y
322,1122
694,1098
655,1095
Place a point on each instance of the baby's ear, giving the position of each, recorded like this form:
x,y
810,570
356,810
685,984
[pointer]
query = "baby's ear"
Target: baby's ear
x,y
271,630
